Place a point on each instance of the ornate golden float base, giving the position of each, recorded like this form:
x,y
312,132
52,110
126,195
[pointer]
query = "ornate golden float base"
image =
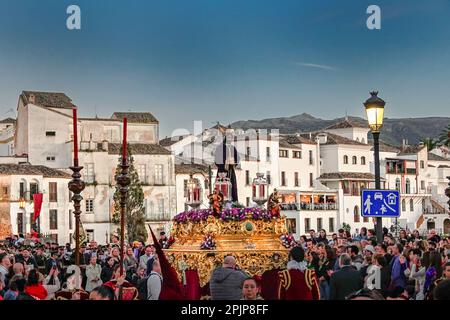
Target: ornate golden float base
x,y
255,244
253,262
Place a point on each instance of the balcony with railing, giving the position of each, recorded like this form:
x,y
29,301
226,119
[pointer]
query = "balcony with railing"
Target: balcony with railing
x,y
309,202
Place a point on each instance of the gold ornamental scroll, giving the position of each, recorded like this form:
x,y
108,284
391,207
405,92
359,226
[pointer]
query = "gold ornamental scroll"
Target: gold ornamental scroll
x,y
255,244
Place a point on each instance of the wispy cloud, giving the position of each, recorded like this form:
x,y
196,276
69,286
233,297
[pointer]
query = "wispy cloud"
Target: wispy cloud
x,y
317,66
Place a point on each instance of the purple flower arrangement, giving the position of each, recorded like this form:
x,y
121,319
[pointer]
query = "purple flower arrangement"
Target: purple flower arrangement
x,y
208,242
232,214
287,240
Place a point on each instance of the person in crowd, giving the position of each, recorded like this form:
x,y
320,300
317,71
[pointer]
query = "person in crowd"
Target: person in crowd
x,y
416,271
368,253
226,281
130,264
378,275
250,290
357,259
41,288
362,234
312,236
298,282
101,293
365,294
53,262
26,259
108,270
5,264
442,290
12,292
322,238
149,253
138,276
346,280
325,271
399,265
154,279
93,274
433,236
123,290
21,289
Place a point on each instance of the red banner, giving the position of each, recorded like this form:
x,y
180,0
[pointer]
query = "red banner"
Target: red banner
x,y
37,199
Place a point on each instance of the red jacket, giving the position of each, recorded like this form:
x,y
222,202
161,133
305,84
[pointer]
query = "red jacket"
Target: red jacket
x,y
37,290
294,284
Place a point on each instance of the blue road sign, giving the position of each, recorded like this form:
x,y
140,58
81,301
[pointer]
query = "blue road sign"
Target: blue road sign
x,y
380,203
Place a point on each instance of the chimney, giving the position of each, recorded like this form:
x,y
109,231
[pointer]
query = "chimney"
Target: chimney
x,y
32,98
105,145
404,144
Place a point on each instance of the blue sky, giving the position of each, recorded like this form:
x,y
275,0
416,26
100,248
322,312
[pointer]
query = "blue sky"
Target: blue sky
x,y
228,60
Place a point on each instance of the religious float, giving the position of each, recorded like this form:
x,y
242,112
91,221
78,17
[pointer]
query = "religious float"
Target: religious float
x,y
256,236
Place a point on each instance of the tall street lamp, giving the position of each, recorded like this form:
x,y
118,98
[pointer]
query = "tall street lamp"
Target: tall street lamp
x,y
375,113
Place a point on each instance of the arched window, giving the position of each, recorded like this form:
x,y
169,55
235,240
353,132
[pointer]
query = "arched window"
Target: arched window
x,y
356,214
365,219
397,184
354,161
423,205
345,159
357,139
403,205
363,160
411,205
408,186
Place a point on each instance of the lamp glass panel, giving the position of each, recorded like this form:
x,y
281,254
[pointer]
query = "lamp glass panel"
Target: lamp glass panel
x,y
375,117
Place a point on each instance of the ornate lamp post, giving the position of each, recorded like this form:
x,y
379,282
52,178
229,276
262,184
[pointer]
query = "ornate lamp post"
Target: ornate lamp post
x,y
375,114
259,189
223,184
193,193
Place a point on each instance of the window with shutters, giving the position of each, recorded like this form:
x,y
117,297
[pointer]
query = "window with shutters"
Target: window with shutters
x,y
283,153
297,154
89,176
356,214
34,189
247,177
307,225
53,220
159,179
53,193
142,173
269,177
283,178
319,223
331,225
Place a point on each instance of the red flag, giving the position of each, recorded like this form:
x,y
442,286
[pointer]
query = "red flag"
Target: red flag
x,y
171,288
37,199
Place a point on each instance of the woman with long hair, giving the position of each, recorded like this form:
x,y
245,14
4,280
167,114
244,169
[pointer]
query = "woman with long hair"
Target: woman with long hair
x,y
324,272
322,237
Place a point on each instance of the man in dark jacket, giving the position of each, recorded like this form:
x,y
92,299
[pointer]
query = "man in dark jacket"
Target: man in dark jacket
x,y
346,280
226,281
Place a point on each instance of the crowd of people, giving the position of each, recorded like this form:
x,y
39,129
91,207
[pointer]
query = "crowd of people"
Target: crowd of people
x,y
407,267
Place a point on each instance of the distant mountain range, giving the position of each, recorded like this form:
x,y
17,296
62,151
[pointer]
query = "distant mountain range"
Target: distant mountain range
x,y
393,132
